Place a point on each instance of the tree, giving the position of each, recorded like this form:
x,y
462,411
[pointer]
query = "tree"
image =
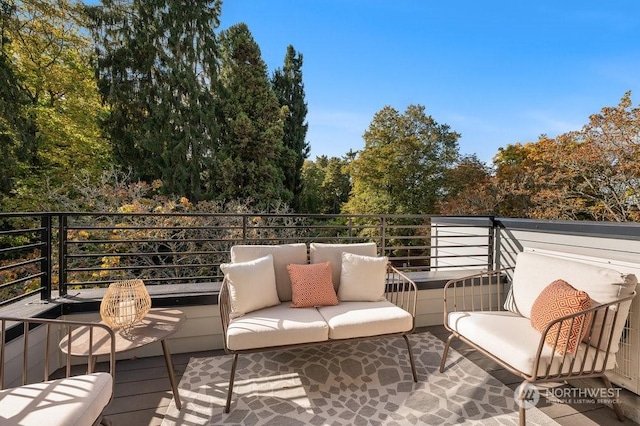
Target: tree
x,y
289,89
326,185
11,120
402,166
54,124
157,68
590,174
468,189
251,148
594,173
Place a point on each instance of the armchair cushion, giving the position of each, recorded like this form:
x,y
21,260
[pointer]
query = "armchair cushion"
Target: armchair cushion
x,y
517,343
77,400
311,285
559,299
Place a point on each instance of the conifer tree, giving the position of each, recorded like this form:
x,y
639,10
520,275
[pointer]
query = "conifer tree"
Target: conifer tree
x,y
289,89
251,148
157,71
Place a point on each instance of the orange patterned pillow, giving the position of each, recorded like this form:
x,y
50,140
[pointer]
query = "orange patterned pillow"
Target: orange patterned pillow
x,y
557,300
311,285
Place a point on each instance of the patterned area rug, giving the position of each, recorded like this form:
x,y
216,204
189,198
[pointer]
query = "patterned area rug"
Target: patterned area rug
x,y
365,382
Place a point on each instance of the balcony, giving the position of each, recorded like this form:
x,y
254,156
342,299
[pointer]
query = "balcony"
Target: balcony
x,y
55,264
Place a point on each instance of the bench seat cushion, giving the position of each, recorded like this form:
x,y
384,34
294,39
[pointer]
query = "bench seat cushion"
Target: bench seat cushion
x,y
276,326
360,319
73,401
510,337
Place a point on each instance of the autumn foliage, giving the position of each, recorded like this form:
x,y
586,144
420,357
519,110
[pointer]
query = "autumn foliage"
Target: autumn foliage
x,y
588,174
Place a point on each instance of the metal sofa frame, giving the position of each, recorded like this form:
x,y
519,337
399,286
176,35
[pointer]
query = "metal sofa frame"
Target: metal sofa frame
x,y
400,290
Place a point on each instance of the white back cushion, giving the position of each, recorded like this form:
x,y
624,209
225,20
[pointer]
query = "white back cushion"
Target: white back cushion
x,y
283,255
252,285
534,272
332,253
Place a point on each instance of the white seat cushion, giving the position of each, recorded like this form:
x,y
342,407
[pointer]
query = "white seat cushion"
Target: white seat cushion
x,y
360,319
276,326
511,338
74,401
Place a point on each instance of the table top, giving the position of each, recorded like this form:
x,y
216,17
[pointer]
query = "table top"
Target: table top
x,y
157,325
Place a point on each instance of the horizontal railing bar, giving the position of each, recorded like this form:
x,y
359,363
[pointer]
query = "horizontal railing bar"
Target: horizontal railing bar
x,y
437,246
140,254
22,280
22,247
20,297
143,267
25,263
154,240
21,231
435,267
134,228
192,280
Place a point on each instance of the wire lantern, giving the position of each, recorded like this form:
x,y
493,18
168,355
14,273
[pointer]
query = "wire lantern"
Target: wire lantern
x,y
125,303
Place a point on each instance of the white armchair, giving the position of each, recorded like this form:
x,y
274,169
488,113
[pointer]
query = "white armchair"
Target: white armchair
x,y
31,397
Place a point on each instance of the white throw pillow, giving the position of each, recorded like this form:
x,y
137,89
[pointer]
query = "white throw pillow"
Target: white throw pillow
x,y
252,285
362,278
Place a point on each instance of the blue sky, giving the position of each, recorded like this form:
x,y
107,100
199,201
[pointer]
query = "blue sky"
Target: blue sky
x,y
497,72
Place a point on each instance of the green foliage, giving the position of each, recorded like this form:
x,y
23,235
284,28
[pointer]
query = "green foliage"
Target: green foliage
x,y
403,164
289,89
51,122
249,160
158,72
327,185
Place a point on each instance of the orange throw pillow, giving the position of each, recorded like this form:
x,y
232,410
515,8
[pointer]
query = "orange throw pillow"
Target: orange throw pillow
x,y
311,285
557,300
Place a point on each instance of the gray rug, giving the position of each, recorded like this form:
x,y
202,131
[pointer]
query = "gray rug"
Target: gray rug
x,y
356,383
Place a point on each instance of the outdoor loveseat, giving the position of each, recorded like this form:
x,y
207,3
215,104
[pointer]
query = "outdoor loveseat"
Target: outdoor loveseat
x,y
561,319
272,297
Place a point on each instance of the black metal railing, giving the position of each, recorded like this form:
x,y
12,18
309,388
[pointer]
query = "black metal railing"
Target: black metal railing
x,y
44,251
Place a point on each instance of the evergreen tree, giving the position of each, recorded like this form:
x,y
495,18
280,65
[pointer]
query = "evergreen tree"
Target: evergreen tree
x,y
251,148
157,68
289,89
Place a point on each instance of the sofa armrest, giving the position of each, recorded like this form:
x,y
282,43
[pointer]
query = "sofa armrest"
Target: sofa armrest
x,y
602,326
224,303
401,290
484,291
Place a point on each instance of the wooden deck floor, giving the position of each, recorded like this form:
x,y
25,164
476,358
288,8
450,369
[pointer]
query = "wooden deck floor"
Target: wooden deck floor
x,y
143,391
